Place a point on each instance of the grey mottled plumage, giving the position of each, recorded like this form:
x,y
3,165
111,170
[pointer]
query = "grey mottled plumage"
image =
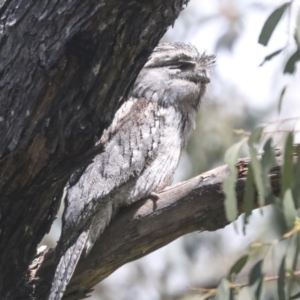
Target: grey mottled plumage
x,y
141,150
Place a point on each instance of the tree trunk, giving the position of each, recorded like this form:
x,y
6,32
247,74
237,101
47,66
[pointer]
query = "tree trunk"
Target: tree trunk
x,y
65,67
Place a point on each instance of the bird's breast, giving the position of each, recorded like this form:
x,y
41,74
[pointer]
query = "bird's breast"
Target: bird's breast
x,y
160,145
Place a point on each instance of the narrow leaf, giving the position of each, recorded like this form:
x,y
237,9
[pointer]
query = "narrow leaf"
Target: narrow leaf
x,y
287,168
294,279
255,136
271,23
208,295
223,290
298,29
281,280
238,266
297,296
295,260
296,184
256,273
231,200
280,99
270,56
290,66
259,290
248,198
231,157
256,278
267,162
256,289
255,163
257,171
289,209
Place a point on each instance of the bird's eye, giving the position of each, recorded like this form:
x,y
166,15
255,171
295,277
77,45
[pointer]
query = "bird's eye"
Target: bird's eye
x,y
182,65
186,65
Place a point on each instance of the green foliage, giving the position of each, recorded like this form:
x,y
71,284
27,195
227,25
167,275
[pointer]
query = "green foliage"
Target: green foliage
x,y
248,199
224,292
281,280
238,266
296,185
268,30
258,190
255,163
256,278
281,98
267,162
231,157
287,168
272,55
258,184
289,209
290,66
271,23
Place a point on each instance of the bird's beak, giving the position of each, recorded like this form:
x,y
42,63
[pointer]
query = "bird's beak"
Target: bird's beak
x,y
203,77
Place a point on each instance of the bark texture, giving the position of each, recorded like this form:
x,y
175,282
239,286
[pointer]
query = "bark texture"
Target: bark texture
x,y
194,205
64,68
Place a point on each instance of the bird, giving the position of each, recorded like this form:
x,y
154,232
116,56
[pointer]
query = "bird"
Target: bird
x,y
141,150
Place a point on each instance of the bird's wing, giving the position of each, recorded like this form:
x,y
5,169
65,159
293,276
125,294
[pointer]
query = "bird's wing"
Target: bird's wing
x,y
128,145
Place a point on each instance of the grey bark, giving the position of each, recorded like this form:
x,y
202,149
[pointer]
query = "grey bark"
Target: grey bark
x,y
64,68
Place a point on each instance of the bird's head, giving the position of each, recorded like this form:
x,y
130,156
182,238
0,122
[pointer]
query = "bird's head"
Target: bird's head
x,y
174,74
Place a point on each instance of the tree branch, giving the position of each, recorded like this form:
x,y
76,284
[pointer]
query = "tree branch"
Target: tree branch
x,y
194,205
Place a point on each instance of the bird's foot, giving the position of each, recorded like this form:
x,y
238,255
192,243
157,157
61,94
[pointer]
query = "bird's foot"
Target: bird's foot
x,y
154,196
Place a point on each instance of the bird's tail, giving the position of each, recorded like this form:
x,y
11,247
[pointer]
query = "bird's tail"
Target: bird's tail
x,y
66,267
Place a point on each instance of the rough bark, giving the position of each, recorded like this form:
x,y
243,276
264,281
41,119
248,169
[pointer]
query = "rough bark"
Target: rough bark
x,y
64,68
194,205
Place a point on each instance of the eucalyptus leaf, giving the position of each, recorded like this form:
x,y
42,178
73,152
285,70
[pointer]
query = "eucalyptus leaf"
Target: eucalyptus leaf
x,y
290,66
295,260
257,172
287,168
248,198
271,23
256,278
223,290
270,56
281,280
289,209
281,98
294,279
296,184
298,29
256,290
296,296
259,290
238,266
267,162
231,157
256,273
256,136
253,141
